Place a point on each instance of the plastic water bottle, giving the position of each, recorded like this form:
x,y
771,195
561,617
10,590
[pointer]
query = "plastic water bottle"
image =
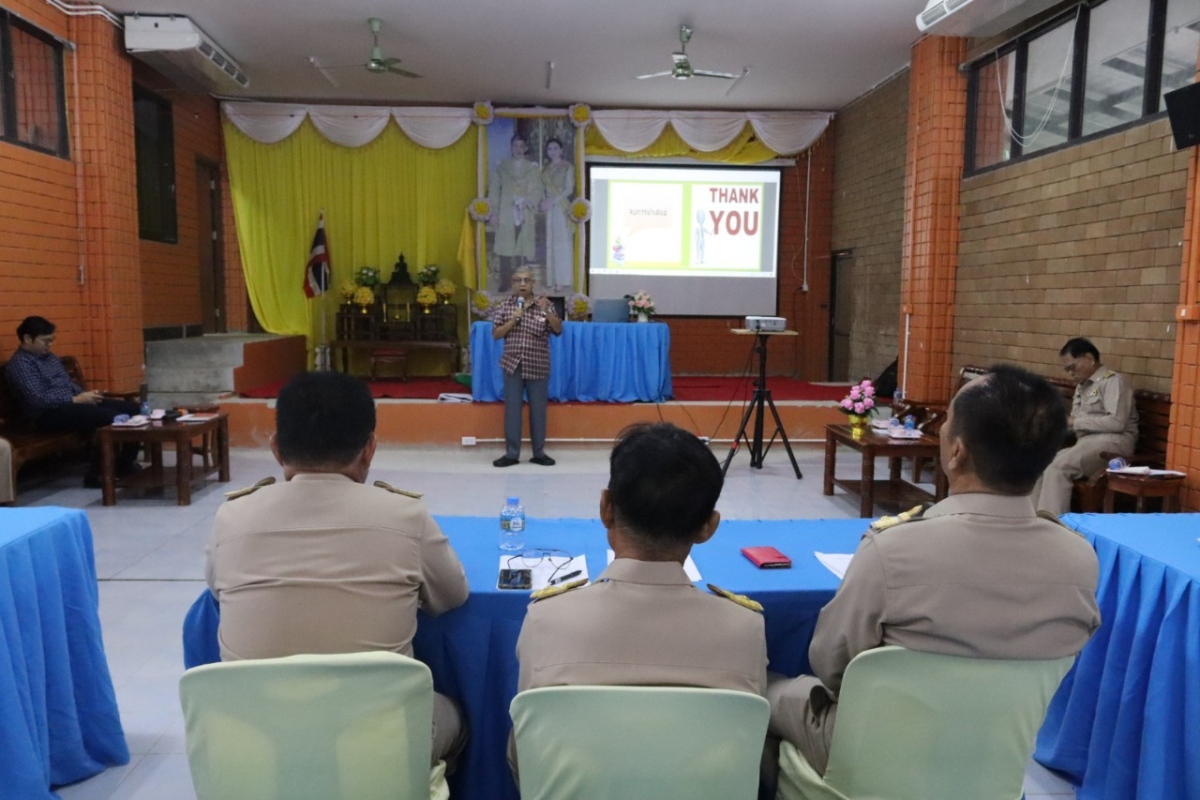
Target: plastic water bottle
x,y
512,525
145,409
910,422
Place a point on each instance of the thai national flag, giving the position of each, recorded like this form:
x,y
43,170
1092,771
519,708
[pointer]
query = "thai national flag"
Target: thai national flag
x,y
316,272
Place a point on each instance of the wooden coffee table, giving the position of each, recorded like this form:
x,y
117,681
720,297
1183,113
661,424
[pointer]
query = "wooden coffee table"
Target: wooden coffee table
x,y
895,492
214,452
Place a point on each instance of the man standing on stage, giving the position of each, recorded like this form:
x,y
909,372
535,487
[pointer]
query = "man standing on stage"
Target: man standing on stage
x,y
525,323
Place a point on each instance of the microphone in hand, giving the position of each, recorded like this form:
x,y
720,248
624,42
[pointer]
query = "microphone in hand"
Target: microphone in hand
x,y
520,310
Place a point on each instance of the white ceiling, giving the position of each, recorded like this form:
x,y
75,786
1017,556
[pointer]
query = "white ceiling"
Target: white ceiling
x,y
802,54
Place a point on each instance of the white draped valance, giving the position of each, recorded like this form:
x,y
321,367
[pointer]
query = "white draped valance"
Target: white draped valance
x,y
349,126
784,132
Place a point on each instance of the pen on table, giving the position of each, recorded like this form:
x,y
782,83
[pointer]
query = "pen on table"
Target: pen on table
x,y
564,578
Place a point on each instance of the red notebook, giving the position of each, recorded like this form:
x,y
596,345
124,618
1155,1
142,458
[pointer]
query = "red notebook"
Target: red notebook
x,y
767,558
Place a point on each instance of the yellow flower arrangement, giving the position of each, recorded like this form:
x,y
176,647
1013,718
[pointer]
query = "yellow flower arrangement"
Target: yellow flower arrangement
x,y
349,287
578,307
480,209
426,296
482,113
581,114
581,210
445,288
364,297
481,304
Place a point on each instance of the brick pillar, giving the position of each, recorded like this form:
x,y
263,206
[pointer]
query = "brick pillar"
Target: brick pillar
x,y
933,170
102,92
1183,444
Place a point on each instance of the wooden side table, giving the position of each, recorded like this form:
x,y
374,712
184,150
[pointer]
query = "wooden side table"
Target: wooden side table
x,y
1142,486
153,436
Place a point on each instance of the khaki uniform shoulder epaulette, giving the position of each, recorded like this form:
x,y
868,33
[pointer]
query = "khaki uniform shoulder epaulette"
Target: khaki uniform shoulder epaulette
x,y
1050,516
394,490
555,591
883,523
234,495
740,599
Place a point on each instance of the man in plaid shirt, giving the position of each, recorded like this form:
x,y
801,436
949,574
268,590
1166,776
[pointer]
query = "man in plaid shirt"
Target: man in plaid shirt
x,y
525,323
53,402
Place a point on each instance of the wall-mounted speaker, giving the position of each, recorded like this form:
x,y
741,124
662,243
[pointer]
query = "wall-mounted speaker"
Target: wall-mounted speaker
x,y
1183,107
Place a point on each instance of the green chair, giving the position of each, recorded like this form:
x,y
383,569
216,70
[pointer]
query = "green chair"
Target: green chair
x,y
312,726
610,742
922,726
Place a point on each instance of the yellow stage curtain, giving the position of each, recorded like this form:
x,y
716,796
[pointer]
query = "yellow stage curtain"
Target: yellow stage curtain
x,y
745,149
389,197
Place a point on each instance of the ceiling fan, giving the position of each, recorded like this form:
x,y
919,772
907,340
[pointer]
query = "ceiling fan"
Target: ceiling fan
x,y
683,69
376,63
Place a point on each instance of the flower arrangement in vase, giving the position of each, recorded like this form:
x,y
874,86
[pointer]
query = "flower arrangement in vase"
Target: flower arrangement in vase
x,y
445,289
366,276
429,275
641,304
578,307
364,298
859,405
427,297
481,305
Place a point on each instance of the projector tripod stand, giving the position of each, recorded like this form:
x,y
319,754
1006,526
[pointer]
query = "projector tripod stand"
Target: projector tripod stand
x,y
758,405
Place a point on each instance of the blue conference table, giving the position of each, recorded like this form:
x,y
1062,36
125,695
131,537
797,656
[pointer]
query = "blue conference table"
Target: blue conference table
x,y
472,650
1125,724
58,713
612,362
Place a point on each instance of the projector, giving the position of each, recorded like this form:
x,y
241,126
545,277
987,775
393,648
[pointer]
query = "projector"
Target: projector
x,y
766,323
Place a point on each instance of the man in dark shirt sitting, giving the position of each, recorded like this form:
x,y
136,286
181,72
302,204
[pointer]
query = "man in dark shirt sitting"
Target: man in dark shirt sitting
x,y
53,402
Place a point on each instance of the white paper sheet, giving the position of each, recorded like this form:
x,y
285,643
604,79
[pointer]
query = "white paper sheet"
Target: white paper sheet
x,y
689,567
545,570
1155,473
837,563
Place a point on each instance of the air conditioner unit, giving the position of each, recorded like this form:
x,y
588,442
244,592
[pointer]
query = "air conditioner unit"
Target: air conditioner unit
x,y
182,52
977,18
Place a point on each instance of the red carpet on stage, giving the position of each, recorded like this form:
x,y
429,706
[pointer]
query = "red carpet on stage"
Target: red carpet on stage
x,y
688,389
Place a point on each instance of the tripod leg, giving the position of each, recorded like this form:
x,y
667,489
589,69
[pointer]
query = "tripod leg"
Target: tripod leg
x,y
737,439
783,435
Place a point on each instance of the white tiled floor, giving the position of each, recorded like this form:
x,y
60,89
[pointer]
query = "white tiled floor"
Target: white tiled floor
x,y
150,561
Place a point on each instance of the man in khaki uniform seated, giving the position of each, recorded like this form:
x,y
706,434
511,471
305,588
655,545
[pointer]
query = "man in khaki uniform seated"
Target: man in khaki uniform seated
x,y
323,562
1103,417
642,622
979,574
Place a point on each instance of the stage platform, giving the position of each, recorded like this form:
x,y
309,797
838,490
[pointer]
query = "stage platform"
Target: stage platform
x,y
251,421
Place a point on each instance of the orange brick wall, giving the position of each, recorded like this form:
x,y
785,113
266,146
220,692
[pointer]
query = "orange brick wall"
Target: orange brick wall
x,y
40,250
171,272
705,346
936,130
237,301
1183,448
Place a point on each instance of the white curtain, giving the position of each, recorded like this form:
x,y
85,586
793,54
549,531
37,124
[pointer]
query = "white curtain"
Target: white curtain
x,y
349,126
785,132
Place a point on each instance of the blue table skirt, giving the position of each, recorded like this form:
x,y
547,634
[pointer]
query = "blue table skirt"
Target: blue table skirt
x,y
591,361
472,650
1125,723
58,713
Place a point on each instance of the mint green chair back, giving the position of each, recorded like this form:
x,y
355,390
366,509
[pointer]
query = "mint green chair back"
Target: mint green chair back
x,y
623,742
921,726
311,726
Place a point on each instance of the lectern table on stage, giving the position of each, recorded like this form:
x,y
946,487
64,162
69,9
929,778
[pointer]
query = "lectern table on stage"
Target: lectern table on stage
x,y
762,399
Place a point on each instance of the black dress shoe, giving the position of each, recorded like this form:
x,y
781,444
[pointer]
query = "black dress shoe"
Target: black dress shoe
x,y
542,460
505,461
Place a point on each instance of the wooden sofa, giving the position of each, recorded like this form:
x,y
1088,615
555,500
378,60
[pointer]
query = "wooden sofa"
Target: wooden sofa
x,y
1154,418
28,443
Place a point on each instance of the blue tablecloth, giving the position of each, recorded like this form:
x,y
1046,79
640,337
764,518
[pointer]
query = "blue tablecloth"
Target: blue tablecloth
x,y
1125,723
58,713
592,361
472,650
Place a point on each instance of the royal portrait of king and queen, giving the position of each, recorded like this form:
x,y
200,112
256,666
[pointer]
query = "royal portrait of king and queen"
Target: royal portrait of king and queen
x,y
530,187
